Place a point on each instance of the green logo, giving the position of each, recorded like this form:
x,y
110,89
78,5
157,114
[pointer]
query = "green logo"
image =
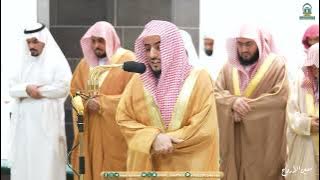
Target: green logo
x,y
149,174
112,175
187,174
307,12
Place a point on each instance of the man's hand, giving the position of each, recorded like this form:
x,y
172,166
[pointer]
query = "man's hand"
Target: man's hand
x,y
33,91
241,106
93,104
314,125
163,144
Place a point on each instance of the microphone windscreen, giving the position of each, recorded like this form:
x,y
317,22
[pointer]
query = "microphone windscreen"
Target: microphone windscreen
x,y
132,66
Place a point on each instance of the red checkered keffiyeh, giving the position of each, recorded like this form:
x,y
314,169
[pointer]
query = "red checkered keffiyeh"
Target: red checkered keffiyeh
x,y
312,31
265,45
174,66
104,30
312,59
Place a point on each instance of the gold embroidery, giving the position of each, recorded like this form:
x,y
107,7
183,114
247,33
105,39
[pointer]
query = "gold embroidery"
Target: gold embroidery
x,y
180,106
182,101
153,110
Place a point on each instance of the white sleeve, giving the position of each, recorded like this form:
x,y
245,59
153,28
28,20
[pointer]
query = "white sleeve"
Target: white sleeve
x,y
61,84
17,89
298,121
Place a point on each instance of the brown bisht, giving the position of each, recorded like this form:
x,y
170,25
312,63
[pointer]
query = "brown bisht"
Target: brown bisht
x,y
255,148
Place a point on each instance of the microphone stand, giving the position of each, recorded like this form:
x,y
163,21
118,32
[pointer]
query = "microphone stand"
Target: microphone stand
x,y
78,106
92,91
80,125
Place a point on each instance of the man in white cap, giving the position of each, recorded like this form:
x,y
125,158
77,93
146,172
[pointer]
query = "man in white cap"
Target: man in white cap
x,y
39,88
208,42
208,58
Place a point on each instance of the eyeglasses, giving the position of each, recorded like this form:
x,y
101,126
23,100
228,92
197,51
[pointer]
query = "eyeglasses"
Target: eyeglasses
x,y
246,44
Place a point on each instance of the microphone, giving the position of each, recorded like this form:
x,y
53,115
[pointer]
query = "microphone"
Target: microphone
x,y
129,66
132,66
77,104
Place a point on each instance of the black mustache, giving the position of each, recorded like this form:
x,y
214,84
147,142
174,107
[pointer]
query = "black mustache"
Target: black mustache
x,y
32,49
155,59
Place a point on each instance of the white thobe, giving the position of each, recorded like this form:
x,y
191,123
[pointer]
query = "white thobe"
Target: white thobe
x,y
39,142
303,157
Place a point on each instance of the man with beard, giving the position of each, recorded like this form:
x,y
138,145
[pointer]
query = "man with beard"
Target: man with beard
x,y
39,90
303,121
208,45
104,147
208,57
251,93
168,114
